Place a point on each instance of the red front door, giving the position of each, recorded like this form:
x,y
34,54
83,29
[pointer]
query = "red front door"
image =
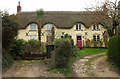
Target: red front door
x,y
79,41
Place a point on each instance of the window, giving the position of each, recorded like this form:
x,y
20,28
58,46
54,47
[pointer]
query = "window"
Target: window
x,y
33,37
48,26
33,27
49,38
95,27
78,26
79,38
96,37
62,36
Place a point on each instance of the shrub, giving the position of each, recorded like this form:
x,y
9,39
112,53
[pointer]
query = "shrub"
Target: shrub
x,y
17,49
63,50
6,59
75,51
34,46
114,50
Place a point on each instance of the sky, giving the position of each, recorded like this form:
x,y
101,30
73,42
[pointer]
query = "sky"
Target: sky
x,y
48,5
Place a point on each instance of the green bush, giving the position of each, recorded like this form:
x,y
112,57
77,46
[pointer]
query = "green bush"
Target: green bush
x,y
34,46
63,51
114,50
6,59
75,51
17,49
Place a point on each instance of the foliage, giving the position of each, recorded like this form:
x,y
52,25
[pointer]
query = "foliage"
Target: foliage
x,y
114,50
17,49
64,71
110,31
6,59
9,29
68,36
63,51
39,13
33,46
89,51
75,51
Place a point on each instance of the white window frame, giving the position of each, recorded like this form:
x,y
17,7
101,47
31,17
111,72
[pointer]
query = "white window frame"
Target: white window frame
x,y
62,36
96,37
33,25
33,37
79,26
48,26
96,27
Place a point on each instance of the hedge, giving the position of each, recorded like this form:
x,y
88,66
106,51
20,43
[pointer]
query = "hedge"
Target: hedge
x,y
114,50
63,51
17,49
6,59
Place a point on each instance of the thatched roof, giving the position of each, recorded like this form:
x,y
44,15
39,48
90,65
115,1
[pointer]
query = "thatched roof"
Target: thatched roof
x,y
63,19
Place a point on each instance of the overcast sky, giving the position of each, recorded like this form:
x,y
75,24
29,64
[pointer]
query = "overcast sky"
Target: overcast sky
x,y
47,5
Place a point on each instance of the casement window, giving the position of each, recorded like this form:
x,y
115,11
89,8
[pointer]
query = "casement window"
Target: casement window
x,y
49,38
96,37
95,27
62,36
33,37
33,27
78,26
70,36
48,26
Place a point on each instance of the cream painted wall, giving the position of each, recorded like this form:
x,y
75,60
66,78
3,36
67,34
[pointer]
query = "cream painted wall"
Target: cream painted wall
x,y
58,33
22,33
73,32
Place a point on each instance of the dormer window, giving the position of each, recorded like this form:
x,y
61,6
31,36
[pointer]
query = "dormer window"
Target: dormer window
x,y
33,27
95,27
78,26
48,26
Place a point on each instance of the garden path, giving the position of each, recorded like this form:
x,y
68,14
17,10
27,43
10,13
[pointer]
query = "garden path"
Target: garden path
x,y
98,67
34,69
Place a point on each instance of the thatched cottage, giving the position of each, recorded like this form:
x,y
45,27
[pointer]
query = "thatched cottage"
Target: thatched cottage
x,y
86,28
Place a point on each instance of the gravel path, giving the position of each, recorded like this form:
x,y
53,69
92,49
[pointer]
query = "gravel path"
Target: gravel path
x,y
98,68
36,69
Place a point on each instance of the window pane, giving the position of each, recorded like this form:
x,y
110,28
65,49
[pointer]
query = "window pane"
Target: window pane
x,y
48,26
49,38
62,36
97,27
33,37
94,37
94,27
79,26
76,26
98,37
33,27
79,38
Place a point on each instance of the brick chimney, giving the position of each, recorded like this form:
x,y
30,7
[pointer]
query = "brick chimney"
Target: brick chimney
x,y
18,7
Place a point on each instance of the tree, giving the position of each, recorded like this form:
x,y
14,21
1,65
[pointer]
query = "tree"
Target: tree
x,y
39,14
108,11
9,29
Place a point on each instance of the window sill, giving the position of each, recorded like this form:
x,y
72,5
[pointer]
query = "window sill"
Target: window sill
x,y
47,30
78,30
96,30
32,30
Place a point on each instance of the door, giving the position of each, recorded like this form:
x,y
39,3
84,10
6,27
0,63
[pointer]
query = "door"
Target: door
x,y
79,41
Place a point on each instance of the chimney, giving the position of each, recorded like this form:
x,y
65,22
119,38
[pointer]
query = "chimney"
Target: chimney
x,y
18,7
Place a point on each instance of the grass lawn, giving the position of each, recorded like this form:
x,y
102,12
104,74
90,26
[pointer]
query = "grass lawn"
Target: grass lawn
x,y
90,51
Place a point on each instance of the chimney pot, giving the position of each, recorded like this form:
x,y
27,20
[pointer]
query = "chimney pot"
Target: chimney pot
x,y
18,7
